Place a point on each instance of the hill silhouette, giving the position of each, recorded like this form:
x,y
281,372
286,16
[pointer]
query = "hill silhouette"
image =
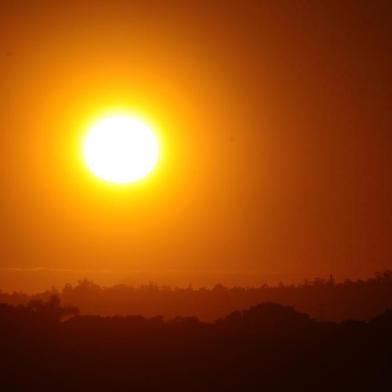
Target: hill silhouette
x,y
47,346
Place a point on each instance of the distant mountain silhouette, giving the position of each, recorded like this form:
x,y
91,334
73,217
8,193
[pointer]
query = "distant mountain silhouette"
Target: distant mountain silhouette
x,y
322,299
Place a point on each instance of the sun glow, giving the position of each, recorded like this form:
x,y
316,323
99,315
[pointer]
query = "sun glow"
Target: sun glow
x,y
121,149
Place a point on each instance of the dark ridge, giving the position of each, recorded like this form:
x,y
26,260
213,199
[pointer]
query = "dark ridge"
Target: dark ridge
x,y
271,346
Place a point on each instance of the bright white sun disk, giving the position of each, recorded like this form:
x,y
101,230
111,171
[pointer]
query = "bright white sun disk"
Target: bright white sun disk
x,y
121,149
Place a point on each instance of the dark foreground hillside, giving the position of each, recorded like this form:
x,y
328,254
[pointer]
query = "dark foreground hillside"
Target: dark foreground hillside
x,y
268,347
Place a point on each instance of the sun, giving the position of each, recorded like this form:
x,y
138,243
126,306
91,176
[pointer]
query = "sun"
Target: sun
x,y
121,149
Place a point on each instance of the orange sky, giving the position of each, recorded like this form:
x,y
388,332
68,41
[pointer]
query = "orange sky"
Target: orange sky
x,y
275,122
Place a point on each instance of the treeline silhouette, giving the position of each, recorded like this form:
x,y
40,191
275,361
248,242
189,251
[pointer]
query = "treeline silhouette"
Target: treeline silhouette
x,y
322,299
47,346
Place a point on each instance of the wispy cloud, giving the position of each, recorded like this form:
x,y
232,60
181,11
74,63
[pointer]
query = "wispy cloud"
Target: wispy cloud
x,y
49,269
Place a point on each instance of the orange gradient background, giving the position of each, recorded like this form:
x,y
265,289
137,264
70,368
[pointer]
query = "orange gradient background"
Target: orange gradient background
x,y
274,123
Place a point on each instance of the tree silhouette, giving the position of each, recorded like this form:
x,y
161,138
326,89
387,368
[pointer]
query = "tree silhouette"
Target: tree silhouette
x,y
52,309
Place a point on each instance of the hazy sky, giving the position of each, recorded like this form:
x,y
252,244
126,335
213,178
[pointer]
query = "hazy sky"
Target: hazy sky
x,y
275,118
